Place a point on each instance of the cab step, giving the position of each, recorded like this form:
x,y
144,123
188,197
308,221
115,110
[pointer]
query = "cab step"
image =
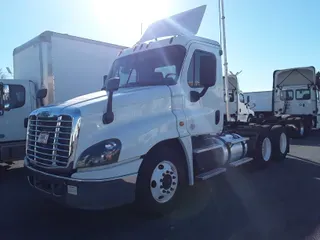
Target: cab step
x,y
240,162
211,173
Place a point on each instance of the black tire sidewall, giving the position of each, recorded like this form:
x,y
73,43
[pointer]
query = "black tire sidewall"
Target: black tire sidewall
x,y
258,158
276,131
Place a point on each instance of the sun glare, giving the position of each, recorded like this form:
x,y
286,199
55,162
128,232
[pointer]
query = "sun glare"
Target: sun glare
x,y
129,14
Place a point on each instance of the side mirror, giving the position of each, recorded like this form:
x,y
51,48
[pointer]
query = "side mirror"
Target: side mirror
x,y
207,71
248,99
113,84
207,76
105,78
42,93
252,105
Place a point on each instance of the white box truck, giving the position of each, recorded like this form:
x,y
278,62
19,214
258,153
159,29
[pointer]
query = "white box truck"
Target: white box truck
x,y
260,102
156,129
49,69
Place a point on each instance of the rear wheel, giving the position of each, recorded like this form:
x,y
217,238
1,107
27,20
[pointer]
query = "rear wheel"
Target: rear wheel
x,y
263,148
249,119
280,142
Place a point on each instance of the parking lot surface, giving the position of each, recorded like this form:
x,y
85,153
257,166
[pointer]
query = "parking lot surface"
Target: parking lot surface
x,y
280,202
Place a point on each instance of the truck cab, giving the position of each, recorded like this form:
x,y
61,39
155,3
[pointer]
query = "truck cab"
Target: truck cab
x,y
239,107
156,128
296,93
19,102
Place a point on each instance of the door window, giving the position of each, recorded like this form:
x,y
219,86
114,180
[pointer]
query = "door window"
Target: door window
x,y
194,68
241,98
303,94
17,96
286,95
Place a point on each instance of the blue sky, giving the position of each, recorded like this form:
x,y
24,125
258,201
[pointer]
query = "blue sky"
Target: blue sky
x,y
262,35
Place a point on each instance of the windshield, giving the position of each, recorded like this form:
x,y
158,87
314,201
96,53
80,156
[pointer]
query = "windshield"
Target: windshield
x,y
286,95
303,94
160,66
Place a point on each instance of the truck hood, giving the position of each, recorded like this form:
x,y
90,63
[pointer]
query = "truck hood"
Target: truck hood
x,y
294,76
124,97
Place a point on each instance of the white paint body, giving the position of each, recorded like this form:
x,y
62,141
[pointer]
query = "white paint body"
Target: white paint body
x,y
145,116
300,83
261,101
238,106
66,66
146,112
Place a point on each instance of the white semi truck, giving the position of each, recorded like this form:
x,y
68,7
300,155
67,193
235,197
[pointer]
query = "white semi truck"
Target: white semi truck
x,y
294,99
50,68
156,129
239,106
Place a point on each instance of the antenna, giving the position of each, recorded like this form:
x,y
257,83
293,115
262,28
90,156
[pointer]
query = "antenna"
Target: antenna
x,y
224,45
237,73
141,31
9,71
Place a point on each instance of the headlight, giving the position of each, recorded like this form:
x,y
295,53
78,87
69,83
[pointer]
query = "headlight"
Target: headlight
x,y
102,153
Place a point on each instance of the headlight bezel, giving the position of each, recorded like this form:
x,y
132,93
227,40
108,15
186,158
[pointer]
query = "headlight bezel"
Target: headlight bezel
x,y
103,153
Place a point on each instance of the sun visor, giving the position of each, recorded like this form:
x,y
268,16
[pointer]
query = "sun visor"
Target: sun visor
x,y
184,23
294,76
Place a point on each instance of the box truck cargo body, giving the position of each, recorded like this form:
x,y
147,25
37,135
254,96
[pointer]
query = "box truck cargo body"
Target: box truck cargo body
x,y
58,67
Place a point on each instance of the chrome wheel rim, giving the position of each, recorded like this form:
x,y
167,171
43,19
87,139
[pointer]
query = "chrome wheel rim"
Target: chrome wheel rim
x,y
283,143
301,129
266,149
164,182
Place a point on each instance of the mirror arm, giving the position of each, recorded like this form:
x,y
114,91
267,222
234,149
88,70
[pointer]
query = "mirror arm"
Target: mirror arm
x,y
203,92
108,116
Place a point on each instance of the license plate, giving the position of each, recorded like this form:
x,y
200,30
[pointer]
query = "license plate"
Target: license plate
x,y
43,138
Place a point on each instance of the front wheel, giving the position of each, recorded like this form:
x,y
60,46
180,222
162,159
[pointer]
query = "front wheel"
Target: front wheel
x,y
160,181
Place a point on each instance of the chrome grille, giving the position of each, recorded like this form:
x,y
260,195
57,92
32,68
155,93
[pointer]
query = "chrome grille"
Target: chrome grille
x,y
56,151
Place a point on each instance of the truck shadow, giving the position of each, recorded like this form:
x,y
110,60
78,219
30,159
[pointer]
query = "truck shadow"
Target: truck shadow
x,y
312,140
281,202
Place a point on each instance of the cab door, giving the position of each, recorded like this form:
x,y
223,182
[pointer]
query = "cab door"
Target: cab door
x,y
206,114
242,109
22,102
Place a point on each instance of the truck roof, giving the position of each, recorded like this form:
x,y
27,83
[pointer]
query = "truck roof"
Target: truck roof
x,y
167,41
179,29
294,76
46,36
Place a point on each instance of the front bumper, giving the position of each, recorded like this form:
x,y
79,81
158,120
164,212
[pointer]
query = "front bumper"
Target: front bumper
x,y
84,194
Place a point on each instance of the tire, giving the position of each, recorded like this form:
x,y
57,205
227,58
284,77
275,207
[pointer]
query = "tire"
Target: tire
x,y
308,126
280,143
249,119
263,149
162,166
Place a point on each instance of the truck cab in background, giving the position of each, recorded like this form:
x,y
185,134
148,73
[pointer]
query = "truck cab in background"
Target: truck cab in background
x,y
296,95
19,101
239,106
